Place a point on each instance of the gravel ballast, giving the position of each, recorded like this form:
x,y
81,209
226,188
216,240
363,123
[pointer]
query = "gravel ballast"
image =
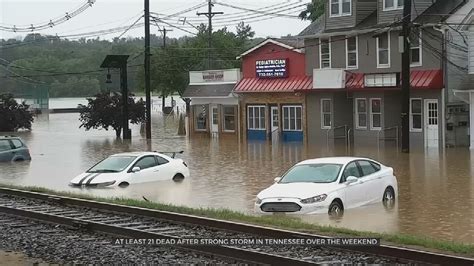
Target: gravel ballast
x,y
82,246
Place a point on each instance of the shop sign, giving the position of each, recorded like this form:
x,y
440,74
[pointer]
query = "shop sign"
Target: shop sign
x,y
271,68
210,76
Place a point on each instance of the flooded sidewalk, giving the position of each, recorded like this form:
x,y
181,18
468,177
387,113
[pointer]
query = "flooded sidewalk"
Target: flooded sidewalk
x,y
436,189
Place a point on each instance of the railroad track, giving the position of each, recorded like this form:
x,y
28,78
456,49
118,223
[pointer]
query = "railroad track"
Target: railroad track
x,y
140,223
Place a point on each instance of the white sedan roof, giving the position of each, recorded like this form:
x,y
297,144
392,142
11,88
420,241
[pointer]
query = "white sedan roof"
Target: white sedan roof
x,y
138,153
336,160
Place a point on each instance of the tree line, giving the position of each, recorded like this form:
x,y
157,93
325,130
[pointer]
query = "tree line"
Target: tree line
x,y
70,68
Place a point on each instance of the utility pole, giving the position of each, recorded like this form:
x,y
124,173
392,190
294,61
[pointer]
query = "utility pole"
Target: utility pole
x,y
209,15
147,69
164,30
406,29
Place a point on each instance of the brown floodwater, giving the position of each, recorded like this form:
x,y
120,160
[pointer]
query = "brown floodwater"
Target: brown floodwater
x,y
436,189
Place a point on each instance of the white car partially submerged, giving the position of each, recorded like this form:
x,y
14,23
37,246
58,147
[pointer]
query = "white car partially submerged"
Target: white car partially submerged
x,y
133,167
329,185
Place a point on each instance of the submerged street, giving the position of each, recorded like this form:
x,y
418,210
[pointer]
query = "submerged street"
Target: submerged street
x,y
436,189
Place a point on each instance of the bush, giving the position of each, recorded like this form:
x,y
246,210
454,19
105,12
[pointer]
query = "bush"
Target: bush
x,y
105,110
14,116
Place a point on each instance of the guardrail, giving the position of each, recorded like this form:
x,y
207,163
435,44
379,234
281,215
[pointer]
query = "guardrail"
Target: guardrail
x,y
396,138
346,136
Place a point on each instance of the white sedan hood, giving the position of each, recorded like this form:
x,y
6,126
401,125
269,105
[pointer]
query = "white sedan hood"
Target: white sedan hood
x,y
296,190
94,178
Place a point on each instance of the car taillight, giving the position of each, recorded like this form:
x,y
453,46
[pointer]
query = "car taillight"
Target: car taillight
x,y
185,164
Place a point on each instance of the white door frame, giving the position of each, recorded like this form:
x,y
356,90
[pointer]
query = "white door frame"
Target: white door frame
x,y
428,143
272,127
214,127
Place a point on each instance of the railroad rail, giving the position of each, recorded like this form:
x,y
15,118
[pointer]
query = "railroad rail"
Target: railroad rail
x,y
136,222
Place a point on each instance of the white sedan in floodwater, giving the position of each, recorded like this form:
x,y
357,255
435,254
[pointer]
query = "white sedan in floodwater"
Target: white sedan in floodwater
x,y
329,185
133,167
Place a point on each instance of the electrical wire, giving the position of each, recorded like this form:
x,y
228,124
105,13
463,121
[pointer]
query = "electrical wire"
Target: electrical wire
x,y
260,12
134,23
197,19
51,23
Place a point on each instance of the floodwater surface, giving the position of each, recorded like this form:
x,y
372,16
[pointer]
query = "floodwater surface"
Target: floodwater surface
x,y
436,189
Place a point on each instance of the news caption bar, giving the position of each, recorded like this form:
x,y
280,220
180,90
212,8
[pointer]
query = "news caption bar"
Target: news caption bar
x,y
250,241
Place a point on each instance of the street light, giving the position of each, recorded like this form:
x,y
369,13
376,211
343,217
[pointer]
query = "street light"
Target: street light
x,y
120,61
109,77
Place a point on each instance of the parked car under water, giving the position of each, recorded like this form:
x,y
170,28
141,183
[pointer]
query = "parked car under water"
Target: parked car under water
x,y
13,149
329,185
123,169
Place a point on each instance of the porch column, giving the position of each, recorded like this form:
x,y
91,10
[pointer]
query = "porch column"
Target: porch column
x,y
471,118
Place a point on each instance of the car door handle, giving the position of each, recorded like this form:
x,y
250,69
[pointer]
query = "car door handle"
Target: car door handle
x,y
156,170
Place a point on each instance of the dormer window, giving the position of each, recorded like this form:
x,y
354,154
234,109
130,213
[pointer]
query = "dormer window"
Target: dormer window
x,y
340,8
392,4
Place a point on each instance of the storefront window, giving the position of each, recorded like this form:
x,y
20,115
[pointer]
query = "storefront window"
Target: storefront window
x,y
200,114
229,118
292,118
256,117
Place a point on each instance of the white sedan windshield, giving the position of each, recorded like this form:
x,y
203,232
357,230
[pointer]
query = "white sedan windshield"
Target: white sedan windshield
x,y
112,164
314,173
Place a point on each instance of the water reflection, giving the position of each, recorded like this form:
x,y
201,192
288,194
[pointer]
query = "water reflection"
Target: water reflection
x,y
436,195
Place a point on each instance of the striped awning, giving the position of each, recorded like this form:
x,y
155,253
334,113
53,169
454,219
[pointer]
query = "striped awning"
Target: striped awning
x,y
289,84
419,79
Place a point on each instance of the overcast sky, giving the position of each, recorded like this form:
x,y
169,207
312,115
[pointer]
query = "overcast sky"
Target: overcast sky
x,y
106,14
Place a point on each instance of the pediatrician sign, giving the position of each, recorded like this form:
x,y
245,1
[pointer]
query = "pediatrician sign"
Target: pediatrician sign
x,y
272,68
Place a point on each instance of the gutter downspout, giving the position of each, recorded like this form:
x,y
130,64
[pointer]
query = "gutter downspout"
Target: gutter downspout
x,y
445,91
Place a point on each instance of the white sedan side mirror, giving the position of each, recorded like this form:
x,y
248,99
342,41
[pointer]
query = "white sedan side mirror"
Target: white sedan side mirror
x,y
351,179
277,179
136,169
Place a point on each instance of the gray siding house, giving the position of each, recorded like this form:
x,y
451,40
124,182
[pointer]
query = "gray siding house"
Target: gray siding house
x,y
460,51
353,54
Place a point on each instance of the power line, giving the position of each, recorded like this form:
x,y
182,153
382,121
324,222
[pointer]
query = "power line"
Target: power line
x,y
51,23
134,23
234,15
171,25
259,17
260,12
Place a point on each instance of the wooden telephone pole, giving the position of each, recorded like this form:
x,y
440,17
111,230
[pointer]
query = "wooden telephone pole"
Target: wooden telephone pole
x,y
164,31
209,14
406,29
147,70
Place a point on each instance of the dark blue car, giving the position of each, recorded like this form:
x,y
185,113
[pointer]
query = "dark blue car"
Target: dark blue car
x,y
13,149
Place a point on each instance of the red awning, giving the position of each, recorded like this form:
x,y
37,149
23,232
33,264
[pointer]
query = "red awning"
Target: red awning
x,y
419,79
427,79
274,84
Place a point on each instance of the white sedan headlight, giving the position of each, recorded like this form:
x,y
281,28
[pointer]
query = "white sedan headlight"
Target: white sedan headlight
x,y
258,201
315,199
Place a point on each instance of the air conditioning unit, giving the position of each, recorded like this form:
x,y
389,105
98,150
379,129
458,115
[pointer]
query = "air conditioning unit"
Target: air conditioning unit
x,y
329,78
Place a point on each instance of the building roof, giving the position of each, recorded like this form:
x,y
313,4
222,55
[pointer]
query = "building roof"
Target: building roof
x,y
289,84
439,11
430,16
289,43
315,27
208,90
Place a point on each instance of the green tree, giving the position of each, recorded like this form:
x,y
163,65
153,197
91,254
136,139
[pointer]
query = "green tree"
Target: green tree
x,y
14,116
105,110
313,10
244,33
